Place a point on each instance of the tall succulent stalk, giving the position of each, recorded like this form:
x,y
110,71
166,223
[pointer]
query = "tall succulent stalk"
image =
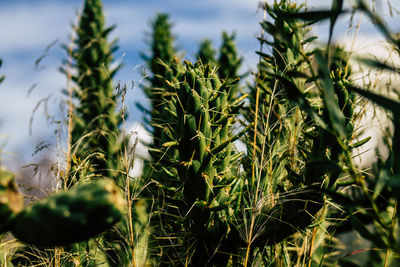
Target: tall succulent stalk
x,y
229,60
95,118
95,134
163,183
160,61
162,53
167,156
204,119
206,53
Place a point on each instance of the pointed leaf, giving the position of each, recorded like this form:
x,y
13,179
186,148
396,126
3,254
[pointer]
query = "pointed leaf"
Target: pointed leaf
x,y
379,65
337,6
382,101
336,116
360,143
313,15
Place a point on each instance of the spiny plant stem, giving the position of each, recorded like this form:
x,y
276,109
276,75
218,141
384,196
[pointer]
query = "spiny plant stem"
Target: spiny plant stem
x,y
95,121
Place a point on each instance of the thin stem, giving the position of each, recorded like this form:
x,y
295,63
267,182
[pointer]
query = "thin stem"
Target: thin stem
x,y
390,234
70,106
312,246
254,150
128,194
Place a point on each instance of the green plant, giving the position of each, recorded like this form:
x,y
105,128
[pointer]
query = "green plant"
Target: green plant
x,y
11,201
95,148
303,116
72,216
229,61
206,53
204,119
162,62
285,201
95,120
65,217
162,56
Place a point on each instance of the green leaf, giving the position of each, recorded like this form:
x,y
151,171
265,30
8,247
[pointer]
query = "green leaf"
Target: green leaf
x,y
379,65
381,182
382,101
310,39
313,15
360,143
336,116
337,6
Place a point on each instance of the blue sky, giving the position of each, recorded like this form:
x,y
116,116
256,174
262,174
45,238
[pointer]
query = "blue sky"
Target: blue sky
x,y
27,27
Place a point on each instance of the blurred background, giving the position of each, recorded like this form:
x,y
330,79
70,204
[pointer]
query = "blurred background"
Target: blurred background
x,y
32,108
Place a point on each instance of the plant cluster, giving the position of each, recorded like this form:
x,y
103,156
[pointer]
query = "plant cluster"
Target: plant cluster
x,y
287,200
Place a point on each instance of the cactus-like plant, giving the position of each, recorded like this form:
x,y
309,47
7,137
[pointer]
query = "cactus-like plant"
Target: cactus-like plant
x,y
204,118
11,201
163,65
72,216
161,56
229,60
95,119
96,146
206,53
171,154
163,182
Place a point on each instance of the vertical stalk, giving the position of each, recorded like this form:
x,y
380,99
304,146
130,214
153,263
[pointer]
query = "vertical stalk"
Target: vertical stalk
x,y
254,149
70,106
128,166
389,235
